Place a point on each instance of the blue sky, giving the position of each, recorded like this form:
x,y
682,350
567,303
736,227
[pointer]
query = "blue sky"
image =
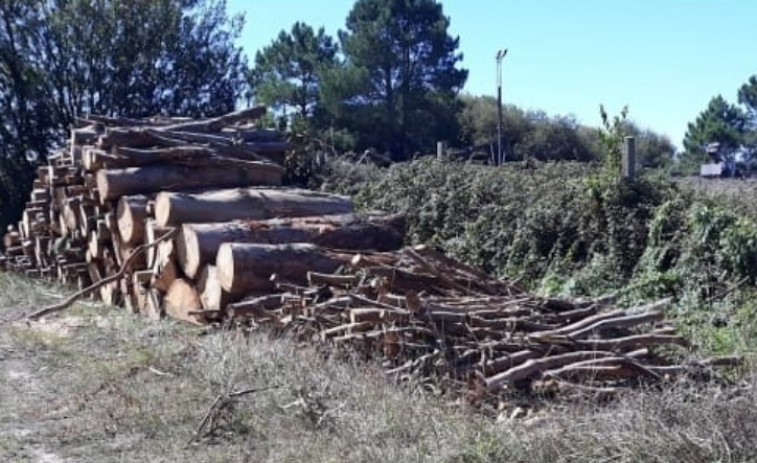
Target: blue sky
x,y
663,58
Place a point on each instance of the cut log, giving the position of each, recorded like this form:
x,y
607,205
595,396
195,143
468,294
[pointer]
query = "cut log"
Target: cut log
x,y
87,217
84,135
196,156
114,183
165,268
94,246
138,263
154,307
212,296
131,214
152,234
11,239
244,268
129,298
140,283
218,123
183,303
245,204
198,244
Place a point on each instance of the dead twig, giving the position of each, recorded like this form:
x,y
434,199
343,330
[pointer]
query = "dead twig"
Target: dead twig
x,y
222,401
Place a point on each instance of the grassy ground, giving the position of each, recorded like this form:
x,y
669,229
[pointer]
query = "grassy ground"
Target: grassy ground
x,y
98,385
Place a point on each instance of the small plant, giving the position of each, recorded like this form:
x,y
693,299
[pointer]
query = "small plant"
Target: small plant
x,y
611,137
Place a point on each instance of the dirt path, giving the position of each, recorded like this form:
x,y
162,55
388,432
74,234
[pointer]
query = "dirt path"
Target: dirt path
x,y
54,381
26,391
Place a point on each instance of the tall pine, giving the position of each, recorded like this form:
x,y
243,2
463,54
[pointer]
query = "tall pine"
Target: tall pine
x,y
408,63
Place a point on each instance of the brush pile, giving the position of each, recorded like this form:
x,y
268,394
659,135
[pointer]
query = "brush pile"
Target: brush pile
x,y
428,316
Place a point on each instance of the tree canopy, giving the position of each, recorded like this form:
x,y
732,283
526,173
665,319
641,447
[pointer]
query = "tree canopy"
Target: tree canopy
x,y
60,59
408,64
721,122
289,71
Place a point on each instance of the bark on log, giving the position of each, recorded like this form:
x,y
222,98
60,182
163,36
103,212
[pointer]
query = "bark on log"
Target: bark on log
x,y
131,214
139,263
139,137
179,155
534,366
182,302
245,204
218,123
244,268
198,244
115,183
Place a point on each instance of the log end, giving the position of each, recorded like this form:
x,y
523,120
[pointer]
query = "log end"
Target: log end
x,y
162,209
188,251
182,302
101,178
225,266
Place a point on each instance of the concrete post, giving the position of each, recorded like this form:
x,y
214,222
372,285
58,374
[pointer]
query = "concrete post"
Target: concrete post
x,y
440,150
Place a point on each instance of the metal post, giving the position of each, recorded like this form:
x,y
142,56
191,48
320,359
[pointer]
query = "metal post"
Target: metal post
x,y
500,56
629,158
499,124
440,149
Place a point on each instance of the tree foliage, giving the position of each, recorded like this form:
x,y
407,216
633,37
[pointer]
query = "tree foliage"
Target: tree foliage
x,y
144,57
720,122
288,72
60,59
748,99
538,136
406,64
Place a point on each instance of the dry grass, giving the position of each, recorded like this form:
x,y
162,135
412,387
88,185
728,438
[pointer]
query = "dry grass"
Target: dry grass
x,y
105,386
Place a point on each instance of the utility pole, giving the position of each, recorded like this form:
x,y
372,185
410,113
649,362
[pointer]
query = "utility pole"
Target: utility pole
x,y
500,56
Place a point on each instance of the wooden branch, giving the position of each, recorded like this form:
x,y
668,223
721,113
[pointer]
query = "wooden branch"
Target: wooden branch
x,y
619,322
113,278
217,123
534,366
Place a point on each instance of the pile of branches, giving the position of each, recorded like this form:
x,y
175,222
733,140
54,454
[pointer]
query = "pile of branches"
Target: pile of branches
x,y
427,316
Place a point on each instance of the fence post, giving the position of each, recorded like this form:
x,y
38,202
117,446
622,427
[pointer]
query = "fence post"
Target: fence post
x,y
629,159
440,150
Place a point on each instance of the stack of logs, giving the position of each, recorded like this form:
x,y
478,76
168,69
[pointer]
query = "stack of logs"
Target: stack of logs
x,y
148,204
428,316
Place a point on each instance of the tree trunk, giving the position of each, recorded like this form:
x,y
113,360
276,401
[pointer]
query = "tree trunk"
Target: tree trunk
x,y
131,214
113,184
245,204
198,244
244,268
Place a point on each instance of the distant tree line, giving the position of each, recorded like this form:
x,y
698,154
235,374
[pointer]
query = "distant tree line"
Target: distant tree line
x,y
390,81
